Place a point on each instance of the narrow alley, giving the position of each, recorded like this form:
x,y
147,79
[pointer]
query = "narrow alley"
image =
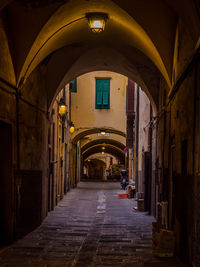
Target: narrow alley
x,y
91,226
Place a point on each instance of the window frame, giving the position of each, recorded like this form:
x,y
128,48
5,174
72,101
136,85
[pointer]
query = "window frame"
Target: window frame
x,y
102,106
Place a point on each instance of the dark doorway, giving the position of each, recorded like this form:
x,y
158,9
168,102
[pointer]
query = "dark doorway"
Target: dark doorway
x,y
29,201
147,181
6,185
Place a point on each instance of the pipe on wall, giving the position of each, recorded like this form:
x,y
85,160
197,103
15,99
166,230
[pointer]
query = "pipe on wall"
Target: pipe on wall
x,y
137,134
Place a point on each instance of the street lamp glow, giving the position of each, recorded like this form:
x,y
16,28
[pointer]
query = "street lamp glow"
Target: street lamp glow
x,y
97,21
62,108
97,24
72,128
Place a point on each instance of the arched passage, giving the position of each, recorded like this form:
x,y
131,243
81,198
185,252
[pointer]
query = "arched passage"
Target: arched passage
x,y
110,149
138,57
102,142
124,60
60,30
107,149
151,43
84,133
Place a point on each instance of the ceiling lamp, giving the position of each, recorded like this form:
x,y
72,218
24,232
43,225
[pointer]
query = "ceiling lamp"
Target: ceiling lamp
x,y
62,107
102,132
97,21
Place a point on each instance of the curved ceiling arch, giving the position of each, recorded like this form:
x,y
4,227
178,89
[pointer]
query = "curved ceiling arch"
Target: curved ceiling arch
x,y
99,148
124,60
67,25
84,133
110,150
94,161
102,142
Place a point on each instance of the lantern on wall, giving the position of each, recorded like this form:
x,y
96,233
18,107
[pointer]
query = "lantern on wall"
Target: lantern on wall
x,y
71,127
62,107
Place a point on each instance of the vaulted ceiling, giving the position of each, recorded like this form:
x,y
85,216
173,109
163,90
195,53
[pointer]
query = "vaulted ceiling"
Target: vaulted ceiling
x,y
138,40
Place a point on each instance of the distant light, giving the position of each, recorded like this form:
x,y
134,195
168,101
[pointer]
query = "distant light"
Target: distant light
x,y
103,148
102,153
104,134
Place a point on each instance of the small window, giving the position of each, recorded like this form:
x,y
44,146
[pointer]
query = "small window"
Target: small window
x,y
102,97
73,86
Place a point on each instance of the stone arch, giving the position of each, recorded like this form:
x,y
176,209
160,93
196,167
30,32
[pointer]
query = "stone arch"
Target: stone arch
x,y
109,149
68,25
103,142
84,133
126,61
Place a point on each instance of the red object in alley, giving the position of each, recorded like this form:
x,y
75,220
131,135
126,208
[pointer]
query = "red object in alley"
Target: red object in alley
x,y
122,195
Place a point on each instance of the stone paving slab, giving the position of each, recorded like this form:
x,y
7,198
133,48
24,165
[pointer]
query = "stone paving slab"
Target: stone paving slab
x,y
89,227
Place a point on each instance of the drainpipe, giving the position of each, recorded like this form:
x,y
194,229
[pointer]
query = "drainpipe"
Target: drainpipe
x,y
150,159
130,91
137,135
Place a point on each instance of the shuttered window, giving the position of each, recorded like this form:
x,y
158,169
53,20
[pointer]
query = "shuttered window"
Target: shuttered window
x,y
73,86
102,94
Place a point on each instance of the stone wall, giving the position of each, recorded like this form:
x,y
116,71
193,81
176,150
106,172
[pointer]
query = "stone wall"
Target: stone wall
x,y
25,110
178,128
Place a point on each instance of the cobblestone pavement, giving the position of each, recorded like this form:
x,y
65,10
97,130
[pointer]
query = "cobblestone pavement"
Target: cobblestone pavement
x,y
89,227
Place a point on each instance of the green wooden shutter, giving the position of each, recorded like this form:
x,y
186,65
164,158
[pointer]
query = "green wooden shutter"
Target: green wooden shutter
x,y
99,93
102,94
106,92
73,86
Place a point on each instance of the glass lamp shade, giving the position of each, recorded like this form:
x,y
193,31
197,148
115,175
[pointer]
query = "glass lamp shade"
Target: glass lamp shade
x,y
62,109
97,25
71,129
97,21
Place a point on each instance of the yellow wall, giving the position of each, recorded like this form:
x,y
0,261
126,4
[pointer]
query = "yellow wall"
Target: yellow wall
x,y
83,109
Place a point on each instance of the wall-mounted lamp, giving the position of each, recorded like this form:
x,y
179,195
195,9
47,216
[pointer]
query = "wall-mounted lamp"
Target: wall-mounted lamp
x,y
62,107
97,21
71,127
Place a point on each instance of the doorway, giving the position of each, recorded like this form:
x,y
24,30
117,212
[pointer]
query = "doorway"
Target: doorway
x,y
6,185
